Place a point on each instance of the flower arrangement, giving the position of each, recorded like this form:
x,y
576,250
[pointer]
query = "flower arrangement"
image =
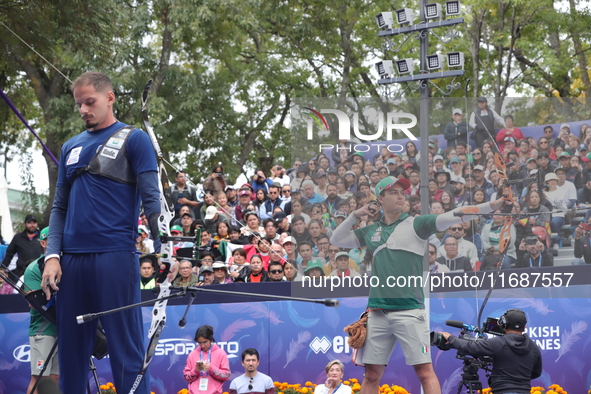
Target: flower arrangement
x,y
552,389
109,388
308,388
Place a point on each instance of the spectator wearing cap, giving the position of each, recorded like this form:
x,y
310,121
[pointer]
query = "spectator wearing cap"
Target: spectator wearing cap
x,y
232,196
393,169
558,198
563,136
282,222
525,170
483,120
342,266
509,131
310,195
332,198
145,233
572,174
186,221
439,164
437,150
443,177
25,245
185,276
351,179
289,246
458,187
457,130
314,269
221,273
320,179
274,201
481,182
212,218
508,146
243,201
456,166
206,276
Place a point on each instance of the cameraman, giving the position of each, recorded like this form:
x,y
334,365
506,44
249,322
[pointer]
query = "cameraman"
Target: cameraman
x,y
516,358
532,254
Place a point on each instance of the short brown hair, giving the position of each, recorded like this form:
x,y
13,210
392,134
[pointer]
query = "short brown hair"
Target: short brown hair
x,y
99,81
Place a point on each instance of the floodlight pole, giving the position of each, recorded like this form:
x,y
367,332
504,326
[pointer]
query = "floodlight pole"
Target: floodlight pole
x,y
424,121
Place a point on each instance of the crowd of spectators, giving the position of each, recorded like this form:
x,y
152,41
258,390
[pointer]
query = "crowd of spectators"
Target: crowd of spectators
x,y
278,226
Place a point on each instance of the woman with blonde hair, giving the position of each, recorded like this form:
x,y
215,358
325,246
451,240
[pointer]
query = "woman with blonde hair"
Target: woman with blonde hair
x,y
335,371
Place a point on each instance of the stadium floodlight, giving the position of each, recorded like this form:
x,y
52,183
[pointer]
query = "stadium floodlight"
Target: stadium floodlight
x,y
452,8
432,11
434,62
405,16
405,66
385,68
455,60
385,20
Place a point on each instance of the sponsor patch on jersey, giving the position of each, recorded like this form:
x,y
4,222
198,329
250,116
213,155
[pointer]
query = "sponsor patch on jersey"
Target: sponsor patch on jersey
x,y
116,143
110,153
74,156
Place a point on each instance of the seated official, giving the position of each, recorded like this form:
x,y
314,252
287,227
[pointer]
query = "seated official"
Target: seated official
x,y
532,254
516,358
334,376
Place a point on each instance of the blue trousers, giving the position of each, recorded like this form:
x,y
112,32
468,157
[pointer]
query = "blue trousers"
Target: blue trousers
x,y
91,283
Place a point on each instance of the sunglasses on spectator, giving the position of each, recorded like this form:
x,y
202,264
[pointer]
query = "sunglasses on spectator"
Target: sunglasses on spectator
x,y
276,271
333,250
273,192
250,384
432,253
287,191
456,228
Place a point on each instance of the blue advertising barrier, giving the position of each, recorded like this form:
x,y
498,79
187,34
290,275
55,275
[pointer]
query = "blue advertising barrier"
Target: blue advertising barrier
x,y
297,339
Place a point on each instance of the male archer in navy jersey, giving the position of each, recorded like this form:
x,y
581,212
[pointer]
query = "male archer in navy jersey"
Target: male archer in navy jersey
x,y
104,173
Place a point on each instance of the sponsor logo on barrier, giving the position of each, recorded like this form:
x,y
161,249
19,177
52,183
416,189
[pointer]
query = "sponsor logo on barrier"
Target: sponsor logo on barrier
x,y
338,344
182,347
22,353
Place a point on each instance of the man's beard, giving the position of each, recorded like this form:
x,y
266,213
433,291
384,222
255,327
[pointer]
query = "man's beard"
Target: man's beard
x,y
31,231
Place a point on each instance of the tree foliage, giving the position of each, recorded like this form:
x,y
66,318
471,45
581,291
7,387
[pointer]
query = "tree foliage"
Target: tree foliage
x,y
226,72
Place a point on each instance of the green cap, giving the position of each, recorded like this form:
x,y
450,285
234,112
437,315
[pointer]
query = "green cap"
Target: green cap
x,y
564,154
176,228
314,263
44,234
359,154
390,181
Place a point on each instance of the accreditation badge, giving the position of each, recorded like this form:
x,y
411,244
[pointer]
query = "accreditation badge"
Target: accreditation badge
x,y
203,384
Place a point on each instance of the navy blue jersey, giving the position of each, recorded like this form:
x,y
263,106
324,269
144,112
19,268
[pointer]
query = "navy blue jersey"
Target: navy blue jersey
x,y
101,213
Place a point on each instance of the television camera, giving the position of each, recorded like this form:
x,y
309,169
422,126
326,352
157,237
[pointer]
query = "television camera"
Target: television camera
x,y
470,378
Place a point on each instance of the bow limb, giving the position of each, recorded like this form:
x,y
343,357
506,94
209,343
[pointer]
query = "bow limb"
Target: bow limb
x,y
160,229
22,118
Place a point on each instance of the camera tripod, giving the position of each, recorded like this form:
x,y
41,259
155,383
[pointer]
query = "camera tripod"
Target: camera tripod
x,y
470,379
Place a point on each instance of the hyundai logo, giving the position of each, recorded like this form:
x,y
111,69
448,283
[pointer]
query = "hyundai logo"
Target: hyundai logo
x,y
23,353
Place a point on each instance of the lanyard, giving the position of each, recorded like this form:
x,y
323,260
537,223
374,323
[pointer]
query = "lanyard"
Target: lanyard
x,y
337,388
539,261
206,374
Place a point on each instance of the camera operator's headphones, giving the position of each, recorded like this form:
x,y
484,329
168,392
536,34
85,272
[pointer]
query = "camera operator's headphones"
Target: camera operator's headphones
x,y
513,319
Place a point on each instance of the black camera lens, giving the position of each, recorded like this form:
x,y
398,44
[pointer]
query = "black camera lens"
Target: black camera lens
x,y
437,339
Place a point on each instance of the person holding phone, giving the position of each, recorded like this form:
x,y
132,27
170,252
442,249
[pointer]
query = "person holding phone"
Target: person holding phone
x,y
532,254
207,367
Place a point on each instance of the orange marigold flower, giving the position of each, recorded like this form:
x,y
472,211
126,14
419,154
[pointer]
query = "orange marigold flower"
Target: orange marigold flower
x,y
305,390
308,383
346,382
354,380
